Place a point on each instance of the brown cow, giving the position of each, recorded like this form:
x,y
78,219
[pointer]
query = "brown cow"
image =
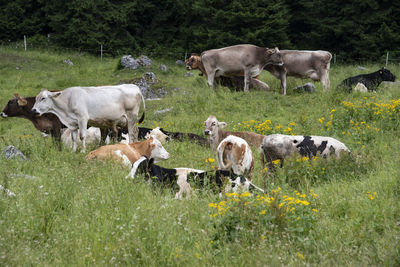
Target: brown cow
x,y
22,107
235,82
303,64
127,154
234,60
216,134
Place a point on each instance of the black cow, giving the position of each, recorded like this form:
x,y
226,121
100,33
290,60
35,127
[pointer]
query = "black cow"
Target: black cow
x,y
371,80
182,177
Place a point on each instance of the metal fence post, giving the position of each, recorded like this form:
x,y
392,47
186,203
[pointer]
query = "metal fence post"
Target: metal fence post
x,y
387,58
25,41
101,52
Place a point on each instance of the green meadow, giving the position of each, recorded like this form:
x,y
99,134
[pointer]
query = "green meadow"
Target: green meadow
x,y
335,212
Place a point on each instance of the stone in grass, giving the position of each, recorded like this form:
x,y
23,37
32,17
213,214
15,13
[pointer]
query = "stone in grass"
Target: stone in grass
x,y
7,191
189,74
163,67
12,152
180,62
68,62
308,87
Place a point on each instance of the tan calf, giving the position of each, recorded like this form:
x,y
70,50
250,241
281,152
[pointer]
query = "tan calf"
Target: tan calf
x,y
216,134
127,154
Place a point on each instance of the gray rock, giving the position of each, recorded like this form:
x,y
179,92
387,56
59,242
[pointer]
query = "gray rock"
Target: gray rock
x,y
180,62
308,87
20,175
129,62
189,74
68,62
146,82
163,67
12,152
144,61
7,191
157,112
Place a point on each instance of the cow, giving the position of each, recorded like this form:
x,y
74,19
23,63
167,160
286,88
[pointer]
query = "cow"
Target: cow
x,y
279,146
302,64
102,106
127,154
371,80
213,128
234,154
22,107
179,136
93,136
182,177
239,60
234,82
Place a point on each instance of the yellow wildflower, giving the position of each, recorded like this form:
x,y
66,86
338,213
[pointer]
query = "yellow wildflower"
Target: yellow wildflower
x,y
262,212
277,161
300,256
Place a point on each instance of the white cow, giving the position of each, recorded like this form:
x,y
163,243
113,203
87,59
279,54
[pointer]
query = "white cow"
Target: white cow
x,y
102,106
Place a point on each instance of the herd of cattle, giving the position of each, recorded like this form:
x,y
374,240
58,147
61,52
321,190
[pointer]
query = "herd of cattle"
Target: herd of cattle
x,y
67,114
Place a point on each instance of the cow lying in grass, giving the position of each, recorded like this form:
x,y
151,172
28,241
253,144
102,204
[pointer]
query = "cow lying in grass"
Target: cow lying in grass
x,y
127,154
278,147
182,177
213,128
371,80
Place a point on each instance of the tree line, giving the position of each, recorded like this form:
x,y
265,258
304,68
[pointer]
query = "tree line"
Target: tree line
x,y
354,29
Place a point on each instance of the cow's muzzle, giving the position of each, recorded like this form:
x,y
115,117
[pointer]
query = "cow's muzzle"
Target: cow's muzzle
x,y
35,111
207,132
4,115
188,68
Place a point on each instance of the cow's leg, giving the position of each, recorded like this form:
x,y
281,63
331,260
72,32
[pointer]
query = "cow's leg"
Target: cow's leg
x,y
56,134
325,79
210,79
74,134
132,127
283,83
103,134
246,80
82,133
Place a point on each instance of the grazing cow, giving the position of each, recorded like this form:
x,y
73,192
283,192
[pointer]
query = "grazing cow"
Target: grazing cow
x,y
303,64
234,82
371,80
247,60
213,128
182,177
102,106
22,107
279,146
127,154
234,154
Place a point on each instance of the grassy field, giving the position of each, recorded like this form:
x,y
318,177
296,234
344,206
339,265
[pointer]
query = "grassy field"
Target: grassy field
x,y
328,213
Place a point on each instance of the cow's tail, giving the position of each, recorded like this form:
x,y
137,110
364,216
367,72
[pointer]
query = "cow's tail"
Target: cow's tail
x,y
144,110
221,162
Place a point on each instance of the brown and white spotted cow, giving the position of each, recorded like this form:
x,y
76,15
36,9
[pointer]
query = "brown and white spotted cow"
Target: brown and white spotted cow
x,y
234,154
247,60
127,154
213,128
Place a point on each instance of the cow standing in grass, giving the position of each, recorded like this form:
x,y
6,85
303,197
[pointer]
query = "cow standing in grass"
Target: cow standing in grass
x,y
102,106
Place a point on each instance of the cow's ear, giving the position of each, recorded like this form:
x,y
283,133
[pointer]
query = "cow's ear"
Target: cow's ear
x,y
222,124
276,49
270,50
56,94
194,54
380,72
16,95
22,101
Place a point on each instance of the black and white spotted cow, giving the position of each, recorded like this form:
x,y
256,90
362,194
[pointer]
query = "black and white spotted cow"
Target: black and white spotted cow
x,y
371,80
182,177
279,146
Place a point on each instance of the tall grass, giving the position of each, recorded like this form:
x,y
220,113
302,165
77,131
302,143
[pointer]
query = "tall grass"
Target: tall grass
x,y
75,212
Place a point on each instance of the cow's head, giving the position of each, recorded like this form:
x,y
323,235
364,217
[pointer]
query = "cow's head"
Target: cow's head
x,y
159,134
212,125
274,56
16,106
44,101
158,152
387,75
193,62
